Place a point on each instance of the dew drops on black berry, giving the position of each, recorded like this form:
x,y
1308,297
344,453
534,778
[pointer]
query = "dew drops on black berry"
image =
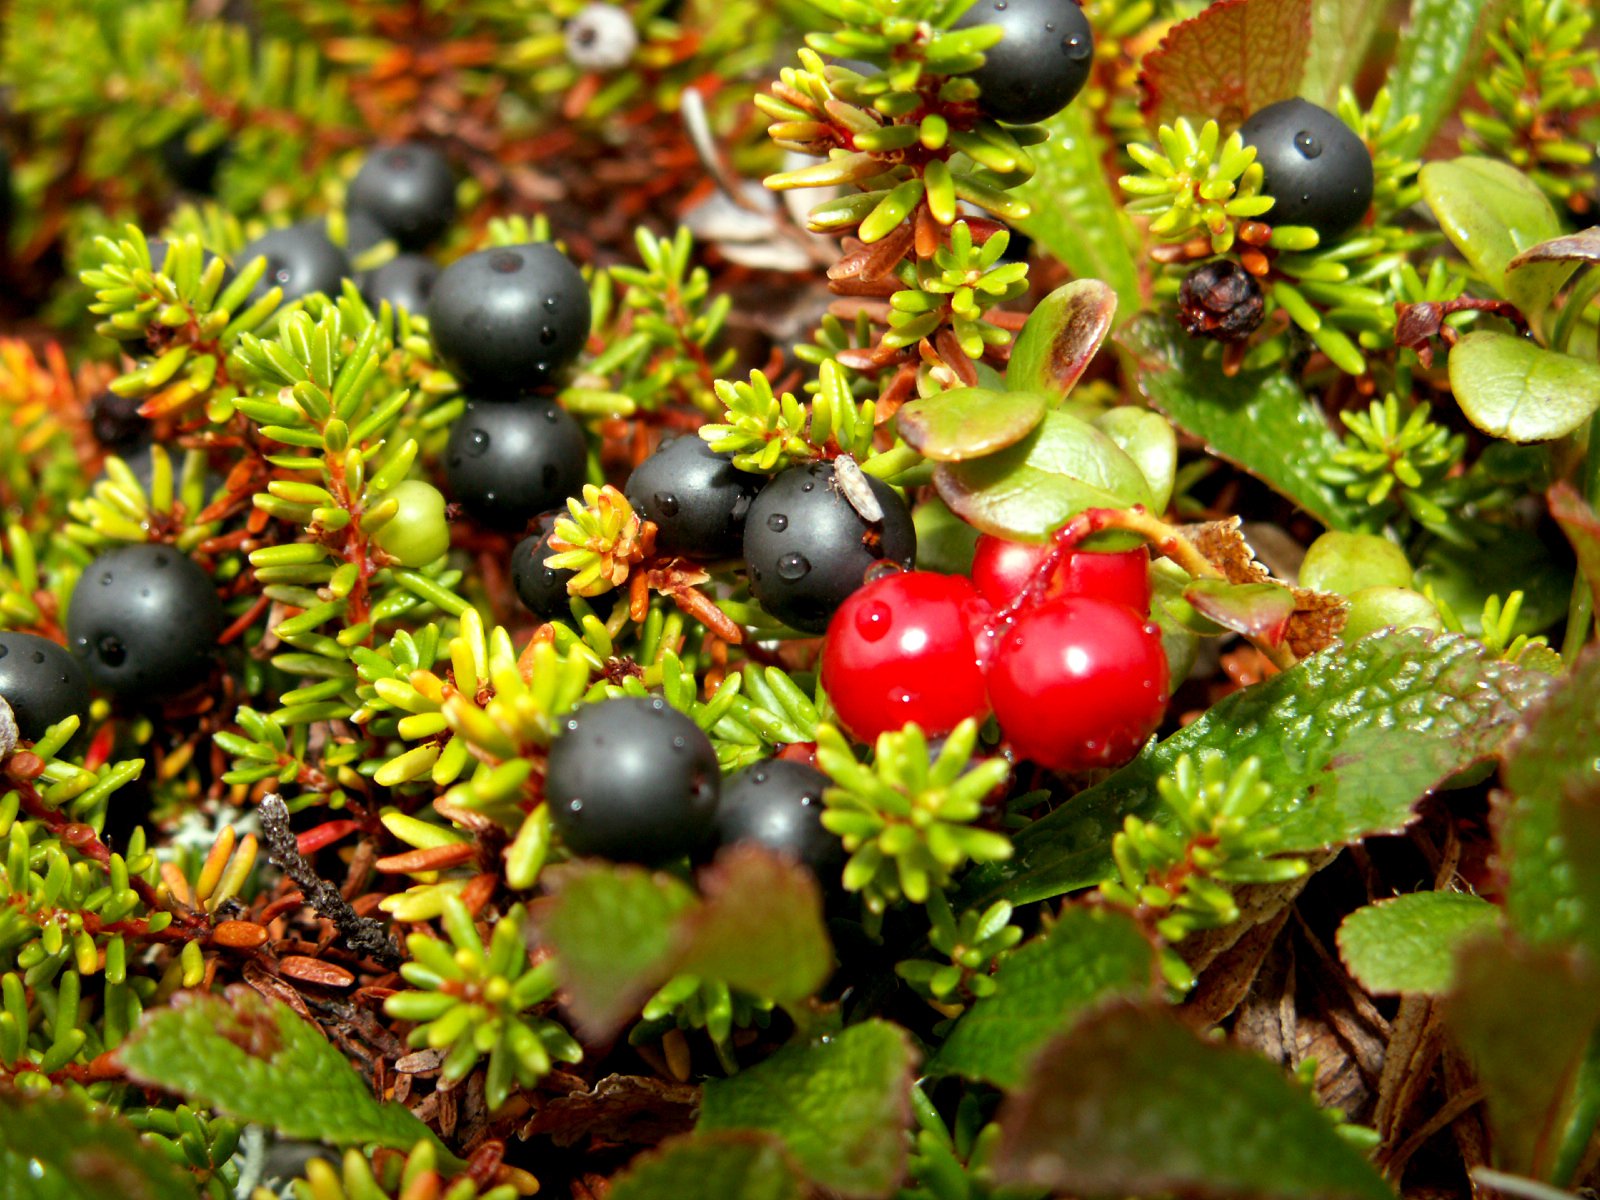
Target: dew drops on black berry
x,y
1040,64
41,682
1316,169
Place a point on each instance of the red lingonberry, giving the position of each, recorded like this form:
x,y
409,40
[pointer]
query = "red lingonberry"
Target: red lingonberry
x,y
1079,683
1001,569
904,648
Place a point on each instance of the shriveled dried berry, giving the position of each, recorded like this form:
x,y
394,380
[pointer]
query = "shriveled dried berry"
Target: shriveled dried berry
x,y
1220,300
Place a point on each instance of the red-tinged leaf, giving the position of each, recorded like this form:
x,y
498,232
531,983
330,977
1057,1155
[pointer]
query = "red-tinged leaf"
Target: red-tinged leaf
x,y
1582,527
1235,57
1257,610
1061,337
1132,1101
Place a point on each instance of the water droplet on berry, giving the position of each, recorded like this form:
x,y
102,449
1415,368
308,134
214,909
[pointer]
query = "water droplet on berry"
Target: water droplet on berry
x,y
1049,27
547,335
1307,143
552,415
778,522
551,302
760,776
105,578
111,651
667,503
793,567
1076,47
873,620
504,262
658,705
678,743
808,485
38,657
477,443
881,569
574,806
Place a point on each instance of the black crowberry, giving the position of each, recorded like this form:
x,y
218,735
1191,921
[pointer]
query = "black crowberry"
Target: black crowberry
x,y
632,780
1040,64
405,281
778,804
361,233
301,259
407,188
507,463
507,320
41,682
144,619
1318,172
806,547
542,588
695,496
190,169
115,421
1220,300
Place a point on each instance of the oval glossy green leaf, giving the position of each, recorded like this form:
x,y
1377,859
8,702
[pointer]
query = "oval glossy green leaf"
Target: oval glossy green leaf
x,y
1514,389
1063,467
1061,338
968,423
1150,440
1492,212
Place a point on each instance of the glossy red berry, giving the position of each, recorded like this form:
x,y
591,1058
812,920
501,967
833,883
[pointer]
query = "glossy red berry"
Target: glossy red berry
x,y
905,648
1001,569
1079,683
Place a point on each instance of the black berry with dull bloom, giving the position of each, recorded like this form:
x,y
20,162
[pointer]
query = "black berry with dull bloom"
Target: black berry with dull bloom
x,y
144,620
1220,300
301,259
115,421
633,780
405,281
41,682
1317,171
542,588
696,497
806,548
191,169
407,188
777,804
1041,63
507,463
508,320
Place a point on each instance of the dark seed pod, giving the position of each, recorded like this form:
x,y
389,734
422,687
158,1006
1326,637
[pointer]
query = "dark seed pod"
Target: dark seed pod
x,y
1220,300
806,548
633,780
1317,171
144,619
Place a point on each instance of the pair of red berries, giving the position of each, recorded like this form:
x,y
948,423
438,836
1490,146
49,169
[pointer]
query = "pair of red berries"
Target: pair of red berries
x,y
1075,675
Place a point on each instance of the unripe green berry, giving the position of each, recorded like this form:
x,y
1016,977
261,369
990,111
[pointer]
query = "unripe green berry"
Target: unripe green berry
x,y
1345,563
419,532
1376,608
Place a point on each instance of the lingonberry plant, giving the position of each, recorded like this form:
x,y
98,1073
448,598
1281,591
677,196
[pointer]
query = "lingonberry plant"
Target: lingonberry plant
x,y
935,599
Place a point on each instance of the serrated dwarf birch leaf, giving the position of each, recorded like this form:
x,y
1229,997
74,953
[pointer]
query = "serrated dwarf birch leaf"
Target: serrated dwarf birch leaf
x,y
1131,1101
1409,944
1231,59
840,1105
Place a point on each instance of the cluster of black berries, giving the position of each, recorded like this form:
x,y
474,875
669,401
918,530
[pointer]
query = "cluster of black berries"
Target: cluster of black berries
x,y
637,781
